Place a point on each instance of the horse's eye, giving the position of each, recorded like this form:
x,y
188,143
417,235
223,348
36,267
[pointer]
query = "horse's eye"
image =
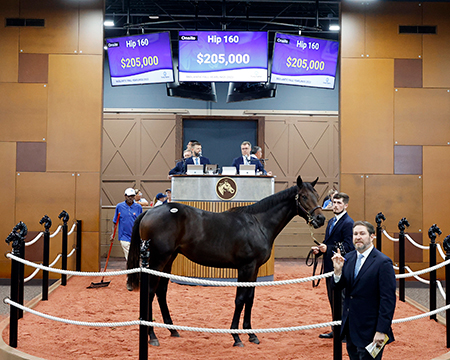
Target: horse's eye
x,y
304,197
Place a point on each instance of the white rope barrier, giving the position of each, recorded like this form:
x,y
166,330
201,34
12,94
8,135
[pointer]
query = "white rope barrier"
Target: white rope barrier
x,y
441,252
425,281
38,236
31,242
56,232
199,329
72,252
72,230
420,272
423,247
388,236
33,274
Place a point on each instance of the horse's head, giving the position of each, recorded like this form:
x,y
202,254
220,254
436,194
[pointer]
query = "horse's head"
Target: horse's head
x,y
307,203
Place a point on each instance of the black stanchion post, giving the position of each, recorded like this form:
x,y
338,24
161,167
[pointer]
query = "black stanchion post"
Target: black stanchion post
x,y
378,219
65,218
17,237
144,296
21,277
432,231
447,290
78,246
47,225
401,254
337,315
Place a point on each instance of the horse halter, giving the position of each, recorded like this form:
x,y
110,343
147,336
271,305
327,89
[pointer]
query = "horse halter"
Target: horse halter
x,y
308,213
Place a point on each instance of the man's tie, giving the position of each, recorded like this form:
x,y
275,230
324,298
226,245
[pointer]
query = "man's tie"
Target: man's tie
x,y
358,264
247,161
333,222
196,161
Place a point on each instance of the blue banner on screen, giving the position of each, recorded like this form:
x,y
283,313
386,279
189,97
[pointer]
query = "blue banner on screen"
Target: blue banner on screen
x,y
222,56
304,61
140,59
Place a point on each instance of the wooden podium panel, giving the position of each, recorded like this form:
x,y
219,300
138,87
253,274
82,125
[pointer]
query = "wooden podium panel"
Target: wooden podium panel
x,y
183,266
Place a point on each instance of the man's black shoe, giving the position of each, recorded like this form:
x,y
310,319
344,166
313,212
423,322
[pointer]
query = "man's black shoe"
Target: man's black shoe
x,y
327,335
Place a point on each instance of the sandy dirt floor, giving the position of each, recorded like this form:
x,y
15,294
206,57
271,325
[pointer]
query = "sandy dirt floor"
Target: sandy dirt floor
x,y
280,306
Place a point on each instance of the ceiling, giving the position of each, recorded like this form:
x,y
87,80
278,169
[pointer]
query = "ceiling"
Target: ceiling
x,y
312,17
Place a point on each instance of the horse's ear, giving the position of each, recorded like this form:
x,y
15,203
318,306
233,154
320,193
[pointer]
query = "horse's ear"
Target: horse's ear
x,y
299,182
315,182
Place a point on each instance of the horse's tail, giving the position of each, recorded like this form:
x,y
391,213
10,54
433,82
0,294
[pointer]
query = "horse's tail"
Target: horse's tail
x,y
134,252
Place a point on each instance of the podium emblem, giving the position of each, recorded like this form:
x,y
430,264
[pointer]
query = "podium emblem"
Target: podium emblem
x,y
226,188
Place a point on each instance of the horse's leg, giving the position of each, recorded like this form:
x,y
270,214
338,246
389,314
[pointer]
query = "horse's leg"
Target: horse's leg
x,y
161,294
154,283
244,274
248,314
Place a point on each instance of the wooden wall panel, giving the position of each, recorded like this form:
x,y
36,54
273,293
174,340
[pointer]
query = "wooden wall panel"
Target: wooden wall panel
x,y
39,194
436,49
353,29
436,173
74,131
416,124
24,112
7,206
367,116
382,37
354,186
60,34
86,198
396,196
9,42
90,251
91,28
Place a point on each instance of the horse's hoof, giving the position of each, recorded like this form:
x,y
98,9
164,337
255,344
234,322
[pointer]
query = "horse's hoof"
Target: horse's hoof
x,y
129,287
253,339
174,333
238,344
154,342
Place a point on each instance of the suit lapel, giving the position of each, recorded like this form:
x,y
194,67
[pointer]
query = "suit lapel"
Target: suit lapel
x,y
338,224
367,264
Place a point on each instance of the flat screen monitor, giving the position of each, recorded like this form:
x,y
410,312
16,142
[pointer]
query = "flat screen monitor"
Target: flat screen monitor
x,y
140,59
247,169
304,61
194,169
223,56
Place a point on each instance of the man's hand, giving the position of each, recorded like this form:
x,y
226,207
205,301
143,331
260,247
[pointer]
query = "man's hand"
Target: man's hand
x,y
338,263
378,339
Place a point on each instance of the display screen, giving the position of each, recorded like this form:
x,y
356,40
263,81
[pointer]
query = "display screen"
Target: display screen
x,y
222,56
304,61
140,59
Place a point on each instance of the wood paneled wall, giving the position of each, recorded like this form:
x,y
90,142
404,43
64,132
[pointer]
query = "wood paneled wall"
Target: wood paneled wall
x,y
51,95
378,117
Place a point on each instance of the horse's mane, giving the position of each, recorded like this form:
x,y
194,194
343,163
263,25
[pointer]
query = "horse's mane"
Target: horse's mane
x,y
266,203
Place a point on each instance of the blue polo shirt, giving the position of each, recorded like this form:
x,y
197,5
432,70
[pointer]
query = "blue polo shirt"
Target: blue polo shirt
x,y
127,216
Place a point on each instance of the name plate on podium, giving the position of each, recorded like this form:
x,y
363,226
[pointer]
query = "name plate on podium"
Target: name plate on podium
x,y
221,188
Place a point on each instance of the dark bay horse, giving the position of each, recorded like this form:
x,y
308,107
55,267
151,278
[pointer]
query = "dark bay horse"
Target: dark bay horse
x,y
240,238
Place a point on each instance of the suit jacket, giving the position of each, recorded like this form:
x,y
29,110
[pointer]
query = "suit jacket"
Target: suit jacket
x,y
203,161
342,232
180,168
253,161
369,303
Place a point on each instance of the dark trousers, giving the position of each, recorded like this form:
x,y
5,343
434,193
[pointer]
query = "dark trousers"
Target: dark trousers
x,y
328,282
357,353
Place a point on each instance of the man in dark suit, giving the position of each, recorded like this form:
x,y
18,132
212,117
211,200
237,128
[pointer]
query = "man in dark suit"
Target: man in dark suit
x,y
247,159
197,158
180,167
339,230
368,278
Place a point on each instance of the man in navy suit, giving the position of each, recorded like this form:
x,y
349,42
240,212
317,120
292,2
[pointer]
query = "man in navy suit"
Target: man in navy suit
x,y
368,278
197,158
180,167
247,159
339,230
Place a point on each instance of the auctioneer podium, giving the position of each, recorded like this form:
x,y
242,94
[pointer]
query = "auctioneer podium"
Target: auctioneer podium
x,y
218,193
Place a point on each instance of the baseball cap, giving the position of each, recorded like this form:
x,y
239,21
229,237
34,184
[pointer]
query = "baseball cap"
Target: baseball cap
x,y
168,190
160,196
130,192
